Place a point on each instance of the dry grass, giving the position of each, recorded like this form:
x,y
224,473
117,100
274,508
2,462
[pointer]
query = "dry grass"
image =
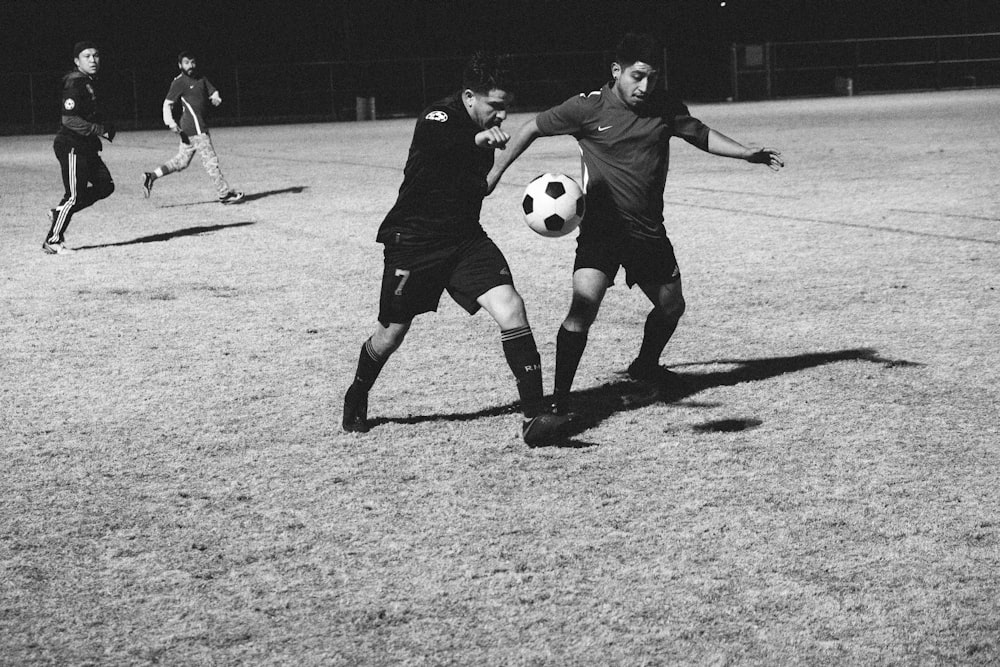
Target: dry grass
x,y
177,491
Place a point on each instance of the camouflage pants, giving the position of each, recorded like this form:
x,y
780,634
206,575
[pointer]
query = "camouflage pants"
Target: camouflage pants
x,y
203,144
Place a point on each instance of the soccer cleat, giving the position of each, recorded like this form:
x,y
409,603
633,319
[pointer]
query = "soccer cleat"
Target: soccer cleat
x,y
56,249
356,410
231,197
147,183
544,429
653,374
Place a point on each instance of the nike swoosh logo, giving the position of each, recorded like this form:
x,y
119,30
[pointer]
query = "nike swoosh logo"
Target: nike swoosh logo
x,y
606,127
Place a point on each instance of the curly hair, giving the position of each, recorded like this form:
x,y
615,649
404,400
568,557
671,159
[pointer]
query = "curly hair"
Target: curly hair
x,y
484,72
637,47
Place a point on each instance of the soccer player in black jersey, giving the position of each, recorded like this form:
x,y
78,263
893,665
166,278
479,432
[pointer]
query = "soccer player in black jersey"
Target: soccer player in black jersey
x,y
434,242
623,132
78,146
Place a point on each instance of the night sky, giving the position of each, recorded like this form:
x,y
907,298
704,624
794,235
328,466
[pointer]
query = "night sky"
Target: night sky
x,y
144,35
38,34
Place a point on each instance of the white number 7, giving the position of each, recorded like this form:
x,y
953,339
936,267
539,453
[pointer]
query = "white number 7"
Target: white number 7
x,y
403,275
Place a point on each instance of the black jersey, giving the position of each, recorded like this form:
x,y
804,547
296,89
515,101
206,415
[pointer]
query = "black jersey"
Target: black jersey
x,y
82,120
444,180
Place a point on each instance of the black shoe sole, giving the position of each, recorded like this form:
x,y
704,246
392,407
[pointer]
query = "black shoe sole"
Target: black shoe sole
x,y
357,427
355,412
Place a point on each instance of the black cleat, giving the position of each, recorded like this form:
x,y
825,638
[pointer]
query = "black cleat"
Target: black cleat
x,y
356,411
668,384
654,374
147,183
560,404
544,429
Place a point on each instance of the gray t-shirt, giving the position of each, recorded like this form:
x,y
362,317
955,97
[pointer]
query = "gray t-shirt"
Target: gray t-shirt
x,y
626,151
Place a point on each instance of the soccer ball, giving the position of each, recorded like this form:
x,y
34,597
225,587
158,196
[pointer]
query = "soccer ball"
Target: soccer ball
x,y
553,204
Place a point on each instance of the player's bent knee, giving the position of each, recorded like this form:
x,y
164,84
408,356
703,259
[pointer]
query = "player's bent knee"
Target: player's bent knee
x,y
582,313
388,337
506,306
511,316
676,309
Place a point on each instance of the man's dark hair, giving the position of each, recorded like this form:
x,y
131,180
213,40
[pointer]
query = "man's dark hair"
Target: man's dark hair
x,y
484,72
184,54
83,46
637,47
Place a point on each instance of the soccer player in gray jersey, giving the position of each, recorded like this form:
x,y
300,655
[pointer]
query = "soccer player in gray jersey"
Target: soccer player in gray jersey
x,y
194,93
623,131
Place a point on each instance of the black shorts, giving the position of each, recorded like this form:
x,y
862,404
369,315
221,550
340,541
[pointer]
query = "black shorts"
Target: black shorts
x,y
606,245
415,276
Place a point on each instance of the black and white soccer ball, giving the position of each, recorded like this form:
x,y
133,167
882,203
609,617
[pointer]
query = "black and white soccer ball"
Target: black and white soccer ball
x,y
553,204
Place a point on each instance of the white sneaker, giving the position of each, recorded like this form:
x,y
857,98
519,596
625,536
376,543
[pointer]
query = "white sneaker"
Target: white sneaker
x,y
56,249
231,197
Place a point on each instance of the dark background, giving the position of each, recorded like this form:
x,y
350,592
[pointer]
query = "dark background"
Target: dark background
x,y
37,35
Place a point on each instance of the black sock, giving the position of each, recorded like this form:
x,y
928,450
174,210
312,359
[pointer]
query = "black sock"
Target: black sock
x,y
523,358
569,350
369,366
656,333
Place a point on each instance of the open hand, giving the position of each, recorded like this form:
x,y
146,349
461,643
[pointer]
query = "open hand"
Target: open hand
x,y
768,156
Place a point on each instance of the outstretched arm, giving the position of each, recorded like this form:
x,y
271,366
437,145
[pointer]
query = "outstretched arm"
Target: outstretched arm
x,y
523,138
720,144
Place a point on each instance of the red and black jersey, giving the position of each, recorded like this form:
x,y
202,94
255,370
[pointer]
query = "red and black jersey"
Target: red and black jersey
x,y
193,92
82,118
444,180
626,151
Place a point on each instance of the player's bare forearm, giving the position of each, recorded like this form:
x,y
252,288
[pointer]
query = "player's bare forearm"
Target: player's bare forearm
x,y
720,144
518,143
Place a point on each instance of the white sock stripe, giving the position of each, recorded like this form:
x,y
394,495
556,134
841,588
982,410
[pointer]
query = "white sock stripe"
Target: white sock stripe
x,y
371,351
513,334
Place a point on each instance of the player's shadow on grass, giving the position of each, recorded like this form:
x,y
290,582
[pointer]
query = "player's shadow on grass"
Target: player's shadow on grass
x,y
294,190
166,236
250,196
593,406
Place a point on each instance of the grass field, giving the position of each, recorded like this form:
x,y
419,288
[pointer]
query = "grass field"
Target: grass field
x,y
176,489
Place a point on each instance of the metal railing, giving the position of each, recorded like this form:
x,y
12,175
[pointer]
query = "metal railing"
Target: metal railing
x,y
848,66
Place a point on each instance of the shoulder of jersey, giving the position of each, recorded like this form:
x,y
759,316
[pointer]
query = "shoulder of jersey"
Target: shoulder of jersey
x,y
75,77
437,114
593,98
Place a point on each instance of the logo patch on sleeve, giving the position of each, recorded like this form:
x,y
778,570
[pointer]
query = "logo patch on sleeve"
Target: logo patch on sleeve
x,y
439,116
69,104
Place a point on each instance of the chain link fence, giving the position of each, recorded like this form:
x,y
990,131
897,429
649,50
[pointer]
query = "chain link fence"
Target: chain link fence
x,y
846,67
302,92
